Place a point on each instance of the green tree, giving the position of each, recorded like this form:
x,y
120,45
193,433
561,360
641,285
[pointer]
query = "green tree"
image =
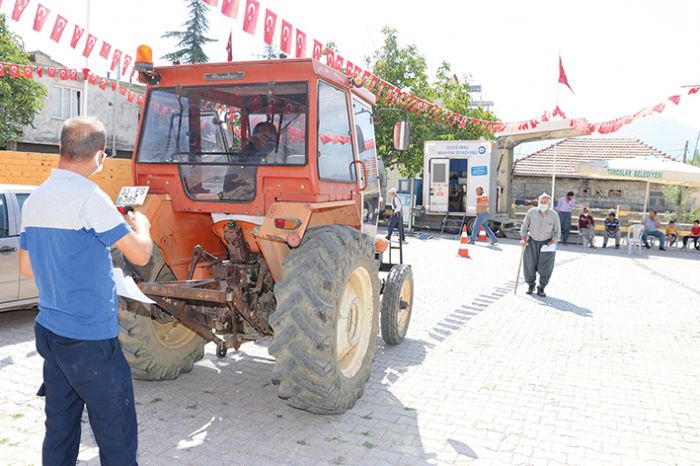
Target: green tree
x,y
680,198
20,99
405,67
270,52
193,39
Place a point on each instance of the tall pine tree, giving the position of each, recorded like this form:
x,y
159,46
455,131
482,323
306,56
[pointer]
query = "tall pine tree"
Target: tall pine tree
x,y
192,39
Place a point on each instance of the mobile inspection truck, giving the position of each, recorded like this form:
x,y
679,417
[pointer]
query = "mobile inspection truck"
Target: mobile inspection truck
x,y
451,172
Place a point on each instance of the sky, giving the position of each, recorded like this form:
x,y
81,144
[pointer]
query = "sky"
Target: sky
x,y
620,56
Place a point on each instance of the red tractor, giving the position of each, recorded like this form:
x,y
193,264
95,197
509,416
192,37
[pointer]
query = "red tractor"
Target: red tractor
x,y
263,200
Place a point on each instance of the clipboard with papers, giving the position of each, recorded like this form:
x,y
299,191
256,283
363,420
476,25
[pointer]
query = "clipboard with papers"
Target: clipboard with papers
x,y
549,248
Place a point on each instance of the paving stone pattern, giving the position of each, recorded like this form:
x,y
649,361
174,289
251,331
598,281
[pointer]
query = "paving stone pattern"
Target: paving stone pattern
x,y
605,371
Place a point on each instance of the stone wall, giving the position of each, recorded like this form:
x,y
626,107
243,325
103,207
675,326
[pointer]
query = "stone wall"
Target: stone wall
x,y
594,193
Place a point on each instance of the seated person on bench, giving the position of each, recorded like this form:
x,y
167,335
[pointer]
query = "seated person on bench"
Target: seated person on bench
x,y
671,233
694,234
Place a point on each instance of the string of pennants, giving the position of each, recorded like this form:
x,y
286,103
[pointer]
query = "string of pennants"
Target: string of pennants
x,y
14,70
79,39
611,126
289,38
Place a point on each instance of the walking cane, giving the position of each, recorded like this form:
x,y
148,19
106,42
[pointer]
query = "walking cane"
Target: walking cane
x,y
520,264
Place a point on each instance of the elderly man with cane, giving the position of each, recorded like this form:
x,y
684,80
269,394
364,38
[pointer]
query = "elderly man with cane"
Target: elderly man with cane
x,y
539,235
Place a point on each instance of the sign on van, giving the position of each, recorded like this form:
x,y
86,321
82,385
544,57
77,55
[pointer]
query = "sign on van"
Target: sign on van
x,y
480,170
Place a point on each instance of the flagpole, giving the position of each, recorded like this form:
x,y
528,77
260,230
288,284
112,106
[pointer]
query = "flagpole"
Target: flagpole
x,y
554,164
85,81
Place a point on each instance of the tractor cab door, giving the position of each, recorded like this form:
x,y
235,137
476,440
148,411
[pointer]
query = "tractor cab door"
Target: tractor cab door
x,y
368,167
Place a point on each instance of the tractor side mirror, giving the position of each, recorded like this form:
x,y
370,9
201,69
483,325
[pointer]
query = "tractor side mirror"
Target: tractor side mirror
x,y
402,135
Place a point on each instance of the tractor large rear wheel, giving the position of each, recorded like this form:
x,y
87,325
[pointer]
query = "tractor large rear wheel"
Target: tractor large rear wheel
x,y
156,346
326,320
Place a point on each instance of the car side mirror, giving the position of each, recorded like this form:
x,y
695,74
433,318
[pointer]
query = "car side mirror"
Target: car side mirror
x,y
402,135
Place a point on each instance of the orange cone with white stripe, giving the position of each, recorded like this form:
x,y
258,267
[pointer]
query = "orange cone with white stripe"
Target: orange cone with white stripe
x,y
463,244
482,234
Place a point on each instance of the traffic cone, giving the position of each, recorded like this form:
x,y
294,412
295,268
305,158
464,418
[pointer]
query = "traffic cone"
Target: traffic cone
x,y
463,244
482,234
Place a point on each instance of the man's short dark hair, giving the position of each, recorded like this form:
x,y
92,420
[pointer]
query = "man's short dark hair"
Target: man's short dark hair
x,y
611,213
653,212
82,138
570,193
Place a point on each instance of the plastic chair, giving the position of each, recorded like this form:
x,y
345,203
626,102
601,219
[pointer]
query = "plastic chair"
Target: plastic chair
x,y
634,238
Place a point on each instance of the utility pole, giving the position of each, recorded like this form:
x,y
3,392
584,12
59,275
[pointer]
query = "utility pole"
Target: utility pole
x,y
685,152
114,110
87,63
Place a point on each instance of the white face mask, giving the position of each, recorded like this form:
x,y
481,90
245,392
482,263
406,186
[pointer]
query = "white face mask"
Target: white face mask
x,y
543,207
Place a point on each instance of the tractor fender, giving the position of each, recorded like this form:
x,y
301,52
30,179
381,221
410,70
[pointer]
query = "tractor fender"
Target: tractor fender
x,y
274,242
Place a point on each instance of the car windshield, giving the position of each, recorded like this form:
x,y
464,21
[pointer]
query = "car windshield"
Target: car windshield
x,y
246,124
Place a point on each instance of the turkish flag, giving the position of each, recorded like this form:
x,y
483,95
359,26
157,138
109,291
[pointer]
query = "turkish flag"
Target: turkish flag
x,y
114,85
349,68
373,83
116,56
126,63
130,96
318,50
562,76
676,99
301,44
40,71
58,28
20,5
286,36
230,8
382,84
339,60
365,77
139,100
28,72
330,58
122,90
103,83
51,72
73,74
211,2
250,21
86,73
229,47
40,18
270,23
2,69
89,45
77,34
63,73
104,51
14,71
93,79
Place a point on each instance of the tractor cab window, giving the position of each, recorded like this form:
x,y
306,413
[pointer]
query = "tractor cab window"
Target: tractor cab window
x,y
218,135
335,154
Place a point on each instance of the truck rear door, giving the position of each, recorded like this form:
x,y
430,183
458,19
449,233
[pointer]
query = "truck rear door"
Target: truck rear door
x,y
9,246
439,185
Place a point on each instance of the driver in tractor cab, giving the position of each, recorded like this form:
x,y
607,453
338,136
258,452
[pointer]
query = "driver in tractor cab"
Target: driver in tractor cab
x,y
263,141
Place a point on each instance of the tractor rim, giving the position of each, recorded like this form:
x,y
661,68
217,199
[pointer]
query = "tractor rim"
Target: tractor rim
x,y
404,304
354,327
171,334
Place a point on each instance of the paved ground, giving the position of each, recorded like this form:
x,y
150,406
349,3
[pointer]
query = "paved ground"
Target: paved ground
x,y
604,371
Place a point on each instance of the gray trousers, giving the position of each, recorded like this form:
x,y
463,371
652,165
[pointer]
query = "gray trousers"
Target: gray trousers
x,y
536,261
565,221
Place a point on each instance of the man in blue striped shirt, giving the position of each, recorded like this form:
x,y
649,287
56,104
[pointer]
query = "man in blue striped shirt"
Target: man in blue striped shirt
x,y
612,230
68,227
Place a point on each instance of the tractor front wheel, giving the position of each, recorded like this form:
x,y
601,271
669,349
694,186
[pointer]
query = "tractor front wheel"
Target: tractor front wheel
x,y
397,304
326,320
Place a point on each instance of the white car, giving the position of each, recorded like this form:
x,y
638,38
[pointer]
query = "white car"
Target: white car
x,y
16,292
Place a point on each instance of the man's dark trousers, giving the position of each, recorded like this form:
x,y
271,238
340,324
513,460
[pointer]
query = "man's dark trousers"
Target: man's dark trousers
x,y
536,261
395,221
92,373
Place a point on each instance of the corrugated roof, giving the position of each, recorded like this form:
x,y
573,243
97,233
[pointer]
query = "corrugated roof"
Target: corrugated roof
x,y
572,150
